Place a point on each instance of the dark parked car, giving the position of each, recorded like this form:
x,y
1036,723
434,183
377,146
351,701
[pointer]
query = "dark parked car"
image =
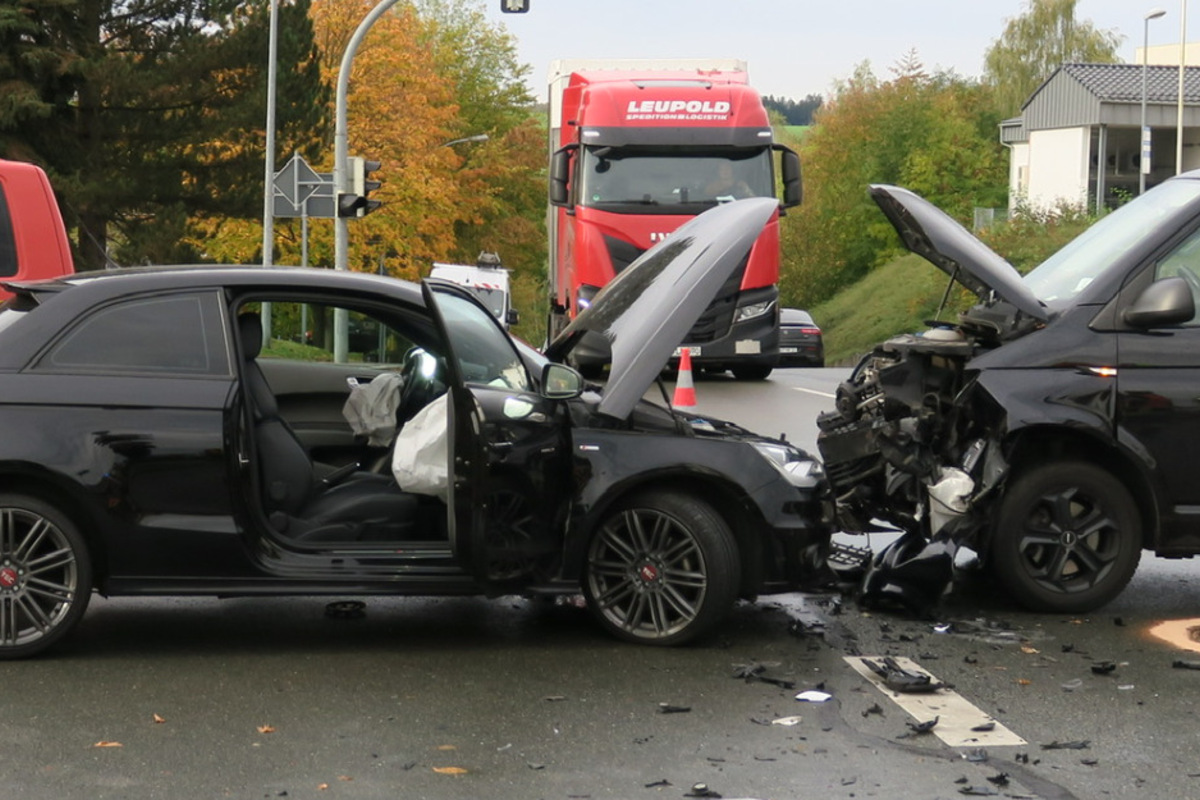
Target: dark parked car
x,y
1052,428
175,431
800,342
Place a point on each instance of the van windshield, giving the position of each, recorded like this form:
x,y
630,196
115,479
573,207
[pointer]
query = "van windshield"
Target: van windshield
x,y
1058,279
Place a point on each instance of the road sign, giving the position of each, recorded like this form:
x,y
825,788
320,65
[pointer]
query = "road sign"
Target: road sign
x,y
300,191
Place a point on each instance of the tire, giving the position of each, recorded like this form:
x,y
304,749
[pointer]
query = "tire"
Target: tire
x,y
45,576
750,372
1068,538
663,569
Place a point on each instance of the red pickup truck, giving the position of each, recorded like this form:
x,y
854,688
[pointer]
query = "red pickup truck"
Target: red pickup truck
x,y
33,239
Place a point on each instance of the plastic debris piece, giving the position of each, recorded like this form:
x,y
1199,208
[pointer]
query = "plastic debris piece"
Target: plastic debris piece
x,y
788,721
755,672
899,679
668,708
999,779
813,696
976,755
1089,762
1181,663
1103,667
984,727
701,790
923,727
874,709
978,791
657,783
944,627
1072,684
1124,687
1081,744
534,766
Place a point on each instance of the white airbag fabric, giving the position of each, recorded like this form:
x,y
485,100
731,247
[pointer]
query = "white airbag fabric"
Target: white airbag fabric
x,y
421,461
371,408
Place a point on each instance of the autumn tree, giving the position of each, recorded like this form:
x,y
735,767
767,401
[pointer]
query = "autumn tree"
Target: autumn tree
x,y
147,113
934,134
1036,43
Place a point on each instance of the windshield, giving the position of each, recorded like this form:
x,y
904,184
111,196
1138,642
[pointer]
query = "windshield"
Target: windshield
x,y
616,177
492,298
1058,279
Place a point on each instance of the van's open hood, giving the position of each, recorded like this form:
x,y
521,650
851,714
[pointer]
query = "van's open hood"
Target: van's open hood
x,y
932,234
648,309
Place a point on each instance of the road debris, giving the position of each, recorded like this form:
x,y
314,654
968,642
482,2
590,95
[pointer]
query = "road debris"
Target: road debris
x,y
899,679
701,790
1182,663
668,708
922,727
1103,667
1081,744
1072,684
813,696
755,672
788,721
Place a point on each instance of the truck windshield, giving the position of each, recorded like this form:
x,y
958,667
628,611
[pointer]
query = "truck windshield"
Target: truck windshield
x,y
631,179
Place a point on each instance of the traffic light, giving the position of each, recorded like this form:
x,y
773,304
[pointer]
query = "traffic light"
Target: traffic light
x,y
514,6
357,202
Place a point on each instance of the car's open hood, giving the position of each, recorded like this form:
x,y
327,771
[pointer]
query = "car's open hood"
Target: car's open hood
x,y
932,234
647,310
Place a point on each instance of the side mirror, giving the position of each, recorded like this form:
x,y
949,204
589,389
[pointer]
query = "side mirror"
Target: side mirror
x,y
511,317
793,190
560,382
560,175
1164,303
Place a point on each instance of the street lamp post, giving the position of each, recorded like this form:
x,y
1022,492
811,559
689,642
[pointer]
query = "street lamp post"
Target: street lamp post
x,y
1144,163
1179,108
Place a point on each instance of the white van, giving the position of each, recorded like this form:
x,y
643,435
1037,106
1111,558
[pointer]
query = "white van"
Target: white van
x,y
487,280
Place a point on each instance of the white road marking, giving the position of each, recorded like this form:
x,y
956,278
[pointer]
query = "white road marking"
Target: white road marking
x,y
812,391
956,716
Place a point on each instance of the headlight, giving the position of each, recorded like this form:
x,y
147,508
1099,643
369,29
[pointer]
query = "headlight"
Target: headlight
x,y
797,468
753,310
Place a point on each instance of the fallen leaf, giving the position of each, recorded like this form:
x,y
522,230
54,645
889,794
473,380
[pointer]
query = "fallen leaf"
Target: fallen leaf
x,y
266,729
1029,651
1024,682
322,787
447,747
345,778
158,720
450,770
103,743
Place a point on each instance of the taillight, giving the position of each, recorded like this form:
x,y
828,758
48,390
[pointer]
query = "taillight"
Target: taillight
x,y
811,331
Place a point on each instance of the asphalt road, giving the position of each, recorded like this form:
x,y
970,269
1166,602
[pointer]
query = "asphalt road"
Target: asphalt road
x,y
507,698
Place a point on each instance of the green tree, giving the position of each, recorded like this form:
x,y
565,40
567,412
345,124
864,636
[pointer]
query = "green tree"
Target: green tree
x,y
1036,43
146,113
933,134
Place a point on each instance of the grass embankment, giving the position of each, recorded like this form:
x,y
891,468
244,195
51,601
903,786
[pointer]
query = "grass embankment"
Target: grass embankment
x,y
898,297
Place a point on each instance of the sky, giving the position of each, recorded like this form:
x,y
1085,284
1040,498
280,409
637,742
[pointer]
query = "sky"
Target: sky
x,y
795,48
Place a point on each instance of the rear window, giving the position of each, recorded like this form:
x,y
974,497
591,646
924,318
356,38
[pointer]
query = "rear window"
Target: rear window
x,y
179,335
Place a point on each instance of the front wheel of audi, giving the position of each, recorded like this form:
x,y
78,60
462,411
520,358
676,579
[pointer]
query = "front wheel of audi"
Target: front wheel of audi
x,y
662,569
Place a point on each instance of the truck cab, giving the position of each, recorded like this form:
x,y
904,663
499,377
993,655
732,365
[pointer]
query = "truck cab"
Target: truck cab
x,y
33,239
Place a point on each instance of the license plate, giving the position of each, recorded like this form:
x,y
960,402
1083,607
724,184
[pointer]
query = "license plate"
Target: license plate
x,y
789,349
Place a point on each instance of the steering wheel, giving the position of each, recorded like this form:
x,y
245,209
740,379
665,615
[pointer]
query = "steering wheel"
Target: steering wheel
x,y
422,372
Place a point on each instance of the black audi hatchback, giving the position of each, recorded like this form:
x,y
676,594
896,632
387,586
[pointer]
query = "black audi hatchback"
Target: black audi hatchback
x,y
1051,428
187,431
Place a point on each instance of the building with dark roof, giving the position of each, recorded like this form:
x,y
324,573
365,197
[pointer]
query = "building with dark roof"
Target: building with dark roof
x,y
1077,139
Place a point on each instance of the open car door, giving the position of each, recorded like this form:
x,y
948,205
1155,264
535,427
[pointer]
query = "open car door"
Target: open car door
x,y
509,469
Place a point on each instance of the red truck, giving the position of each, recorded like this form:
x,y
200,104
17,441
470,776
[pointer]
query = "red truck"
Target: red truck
x,y
637,148
33,239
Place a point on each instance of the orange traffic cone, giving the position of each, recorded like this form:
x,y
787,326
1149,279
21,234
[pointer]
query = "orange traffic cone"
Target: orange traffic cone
x,y
685,391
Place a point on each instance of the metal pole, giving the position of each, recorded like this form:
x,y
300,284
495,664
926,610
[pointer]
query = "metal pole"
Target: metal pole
x,y
341,155
1144,161
1179,111
268,245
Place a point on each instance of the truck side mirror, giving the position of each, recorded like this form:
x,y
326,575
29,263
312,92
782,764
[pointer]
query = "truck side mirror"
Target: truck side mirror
x,y
1164,303
560,173
793,190
512,317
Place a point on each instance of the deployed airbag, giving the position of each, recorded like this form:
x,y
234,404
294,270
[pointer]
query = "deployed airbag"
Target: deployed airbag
x,y
421,461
